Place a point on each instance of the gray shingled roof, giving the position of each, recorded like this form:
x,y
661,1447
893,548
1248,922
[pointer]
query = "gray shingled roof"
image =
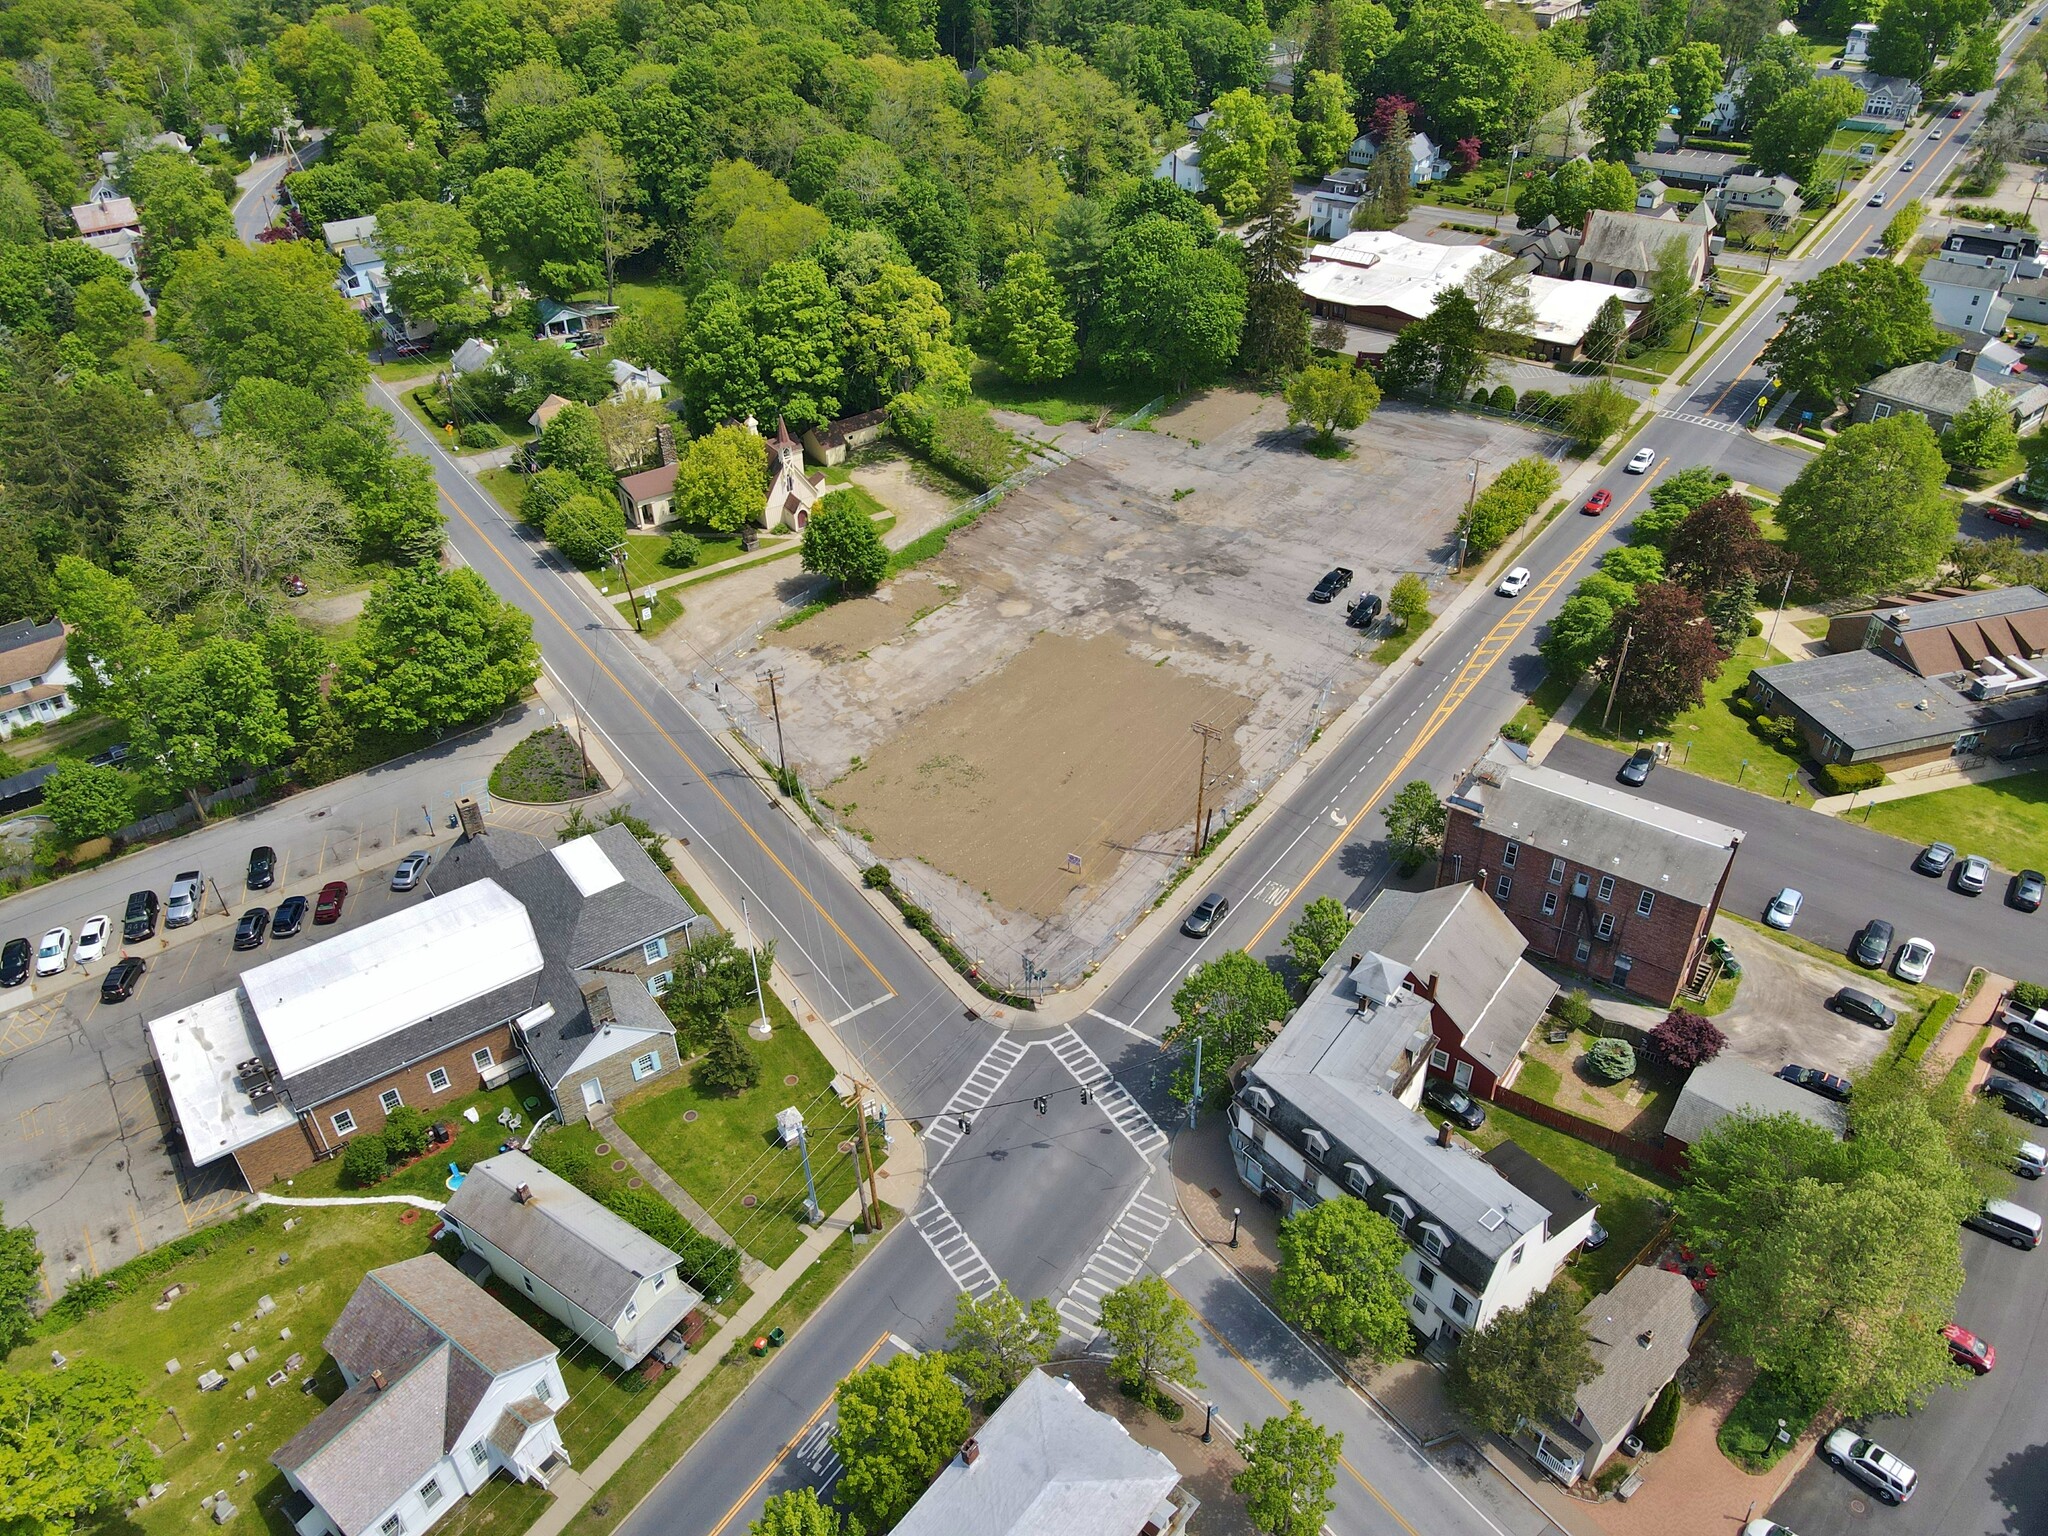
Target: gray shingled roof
x,y
1962,274
1542,1183
1641,1332
23,632
429,1037
1048,1465
1727,1086
1474,951
1632,241
594,1258
516,1420
371,1444
1935,387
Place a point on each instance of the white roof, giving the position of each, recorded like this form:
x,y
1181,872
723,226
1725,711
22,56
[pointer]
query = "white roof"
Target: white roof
x,y
198,1049
332,998
1382,270
589,868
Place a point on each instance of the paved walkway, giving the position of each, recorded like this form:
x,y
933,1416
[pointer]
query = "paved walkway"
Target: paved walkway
x,y
1963,1027
602,1122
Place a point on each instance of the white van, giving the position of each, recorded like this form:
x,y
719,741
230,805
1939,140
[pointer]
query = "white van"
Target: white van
x,y
2008,1223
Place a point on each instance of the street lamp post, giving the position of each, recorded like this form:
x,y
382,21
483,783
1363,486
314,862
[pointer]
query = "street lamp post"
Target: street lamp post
x,y
1236,1211
1208,1418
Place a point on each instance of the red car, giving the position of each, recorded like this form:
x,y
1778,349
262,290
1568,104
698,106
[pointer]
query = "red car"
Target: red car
x,y
1597,503
2012,517
1955,111
1965,1348
327,909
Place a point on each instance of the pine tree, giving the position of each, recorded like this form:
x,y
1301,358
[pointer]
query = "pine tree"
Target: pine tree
x,y
1324,50
1275,337
1388,191
728,1066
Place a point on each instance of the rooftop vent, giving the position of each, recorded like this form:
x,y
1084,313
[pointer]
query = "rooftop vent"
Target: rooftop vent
x,y
523,1193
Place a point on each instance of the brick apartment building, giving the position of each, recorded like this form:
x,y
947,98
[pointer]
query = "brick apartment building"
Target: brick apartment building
x,y
1597,880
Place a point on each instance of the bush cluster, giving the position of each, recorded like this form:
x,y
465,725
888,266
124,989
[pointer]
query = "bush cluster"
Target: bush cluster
x,y
962,440
370,1155
1611,1060
1506,504
709,1266
1847,778
1661,1423
478,435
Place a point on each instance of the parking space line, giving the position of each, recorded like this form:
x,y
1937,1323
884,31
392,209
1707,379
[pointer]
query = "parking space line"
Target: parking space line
x,y
91,1257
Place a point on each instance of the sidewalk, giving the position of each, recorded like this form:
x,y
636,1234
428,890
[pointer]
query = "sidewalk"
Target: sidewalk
x,y
1963,1026
575,1488
1930,784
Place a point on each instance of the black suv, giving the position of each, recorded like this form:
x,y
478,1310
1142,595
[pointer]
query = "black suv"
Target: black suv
x,y
250,930
262,868
1455,1102
1333,582
2029,1063
291,917
1636,770
1363,613
139,921
14,959
2029,1104
119,983
1873,943
1852,1003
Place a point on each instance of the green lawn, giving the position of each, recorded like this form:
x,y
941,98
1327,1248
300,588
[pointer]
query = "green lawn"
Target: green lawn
x,y
431,361
1530,719
429,1175
505,485
1713,740
729,1152
2006,820
1075,399
667,609
1673,352
1629,1196
330,1250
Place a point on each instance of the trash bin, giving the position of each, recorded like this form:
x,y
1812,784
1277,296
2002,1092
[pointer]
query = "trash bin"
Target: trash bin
x,y
775,1338
760,1346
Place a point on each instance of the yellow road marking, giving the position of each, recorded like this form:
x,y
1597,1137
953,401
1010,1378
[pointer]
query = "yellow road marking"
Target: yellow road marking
x,y
794,1441
1281,1397
675,746
1477,665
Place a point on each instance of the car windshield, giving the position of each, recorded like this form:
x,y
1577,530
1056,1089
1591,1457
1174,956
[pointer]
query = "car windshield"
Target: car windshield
x,y
52,945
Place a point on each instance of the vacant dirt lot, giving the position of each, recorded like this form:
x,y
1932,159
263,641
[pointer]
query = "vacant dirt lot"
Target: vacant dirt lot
x,y
1030,694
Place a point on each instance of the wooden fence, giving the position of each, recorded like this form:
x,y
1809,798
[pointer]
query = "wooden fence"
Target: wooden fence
x,y
1660,1154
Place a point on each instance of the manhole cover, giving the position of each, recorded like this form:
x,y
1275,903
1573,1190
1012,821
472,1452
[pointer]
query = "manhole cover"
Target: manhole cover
x,y
618,1165
1215,1194
749,1201
1858,1507
633,1183
604,1149
689,1115
791,1080
845,1147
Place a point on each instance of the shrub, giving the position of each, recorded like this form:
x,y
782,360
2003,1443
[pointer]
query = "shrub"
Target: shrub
x,y
876,877
707,1264
1541,403
1573,1009
586,528
1482,396
365,1159
1686,1040
1611,1060
1612,1476
1504,399
2029,995
1847,778
1661,1423
962,440
562,1159
1780,731
682,550
479,434
432,405
405,1133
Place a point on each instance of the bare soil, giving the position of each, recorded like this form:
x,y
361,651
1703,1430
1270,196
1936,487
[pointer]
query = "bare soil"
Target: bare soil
x,y
850,629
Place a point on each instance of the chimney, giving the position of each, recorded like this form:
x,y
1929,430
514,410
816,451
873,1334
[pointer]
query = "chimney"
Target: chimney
x,y
1431,992
665,440
523,1193
1354,961
970,1453
1443,1134
377,1380
1646,1337
470,815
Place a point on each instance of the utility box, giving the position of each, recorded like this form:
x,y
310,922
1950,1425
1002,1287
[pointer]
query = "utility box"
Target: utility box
x,y
789,1125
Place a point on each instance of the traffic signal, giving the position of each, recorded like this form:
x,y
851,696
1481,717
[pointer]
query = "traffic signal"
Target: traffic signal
x,y
966,1126
1042,1103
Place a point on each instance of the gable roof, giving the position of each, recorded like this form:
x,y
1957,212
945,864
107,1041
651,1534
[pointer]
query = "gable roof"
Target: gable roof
x,y
372,1443
1936,387
1641,1332
560,1235
548,410
650,484
1948,272
1542,1183
472,355
1631,241
28,649
1728,1086
104,214
1047,1465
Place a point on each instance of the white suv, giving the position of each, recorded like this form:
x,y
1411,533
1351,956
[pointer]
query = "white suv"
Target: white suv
x,y
1870,1463
1642,460
1515,583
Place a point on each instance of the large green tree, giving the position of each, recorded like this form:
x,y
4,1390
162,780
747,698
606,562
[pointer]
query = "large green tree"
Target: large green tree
x,y
1415,820
1849,323
84,800
1982,436
1912,34
1628,107
1340,1277
1290,1469
1331,398
721,479
998,1340
74,1444
1324,124
796,1512
1227,1002
434,649
899,1422
797,323
210,712
1695,70
179,205
1151,1337
1868,514
1575,189
1468,71
1790,135
435,267
267,310
1441,356
1238,145
1171,310
842,542
1275,337
1527,1363
1317,933
1026,324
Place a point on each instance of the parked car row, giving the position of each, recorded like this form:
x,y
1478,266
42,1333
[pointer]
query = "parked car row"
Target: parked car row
x,y
1971,875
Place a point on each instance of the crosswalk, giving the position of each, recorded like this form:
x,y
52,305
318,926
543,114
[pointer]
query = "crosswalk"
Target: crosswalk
x,y
980,1086
952,1247
1116,1261
1712,422
1124,1112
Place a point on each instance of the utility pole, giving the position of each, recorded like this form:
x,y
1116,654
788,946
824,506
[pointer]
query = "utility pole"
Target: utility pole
x,y
1208,733
1697,319
1195,1093
811,1206
759,1031
775,702
867,1160
1772,638
618,556
1614,683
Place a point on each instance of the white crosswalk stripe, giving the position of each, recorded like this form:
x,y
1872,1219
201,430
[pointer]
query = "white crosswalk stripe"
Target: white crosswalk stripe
x,y
1124,1112
815,1452
1116,1261
952,1247
1703,421
980,1086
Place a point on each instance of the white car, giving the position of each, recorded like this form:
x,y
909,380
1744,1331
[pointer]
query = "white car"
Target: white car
x,y
1915,956
1767,1528
1515,583
1870,1464
1784,908
92,939
1641,462
1877,199
55,953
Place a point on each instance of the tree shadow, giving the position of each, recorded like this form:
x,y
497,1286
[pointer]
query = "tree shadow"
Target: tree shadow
x,y
2019,1483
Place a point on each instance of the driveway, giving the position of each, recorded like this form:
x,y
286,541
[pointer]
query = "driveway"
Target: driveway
x,y
1848,874
1780,1013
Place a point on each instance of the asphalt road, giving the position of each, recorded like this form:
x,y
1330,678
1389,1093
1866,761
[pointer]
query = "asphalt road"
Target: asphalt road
x,y
1847,873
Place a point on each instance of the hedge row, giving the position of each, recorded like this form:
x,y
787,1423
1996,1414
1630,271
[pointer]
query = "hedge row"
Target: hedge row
x,y
1508,503
962,440
1849,778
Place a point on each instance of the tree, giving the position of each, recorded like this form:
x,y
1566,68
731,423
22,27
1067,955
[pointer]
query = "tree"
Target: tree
x,y
1499,290
1849,323
1716,544
434,264
1673,653
1672,498
365,1160
606,181
179,205
1326,128
899,337
1574,190
996,1342
1627,108
537,230
1607,335
728,1067
722,368
211,711
1317,933
1227,1002
1441,356
1671,285
1171,311
1464,67
1152,1339
21,1284
1389,177
271,311
796,1512
1026,324
842,542
86,800
1900,228
1275,339
1290,1469
630,429
573,443
1982,436
434,649
1911,34
213,524
1686,1040
1408,601
75,1444
1867,514
1788,138
1332,398
106,316
1340,1277
797,321
746,221
1415,825
1696,70
1578,637
899,1422
714,976
1595,412
1237,147
586,528
1528,1363
721,479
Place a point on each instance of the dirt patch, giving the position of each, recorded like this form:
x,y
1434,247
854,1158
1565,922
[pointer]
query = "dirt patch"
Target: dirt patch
x,y
332,612
1209,414
1063,751
920,504
846,630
